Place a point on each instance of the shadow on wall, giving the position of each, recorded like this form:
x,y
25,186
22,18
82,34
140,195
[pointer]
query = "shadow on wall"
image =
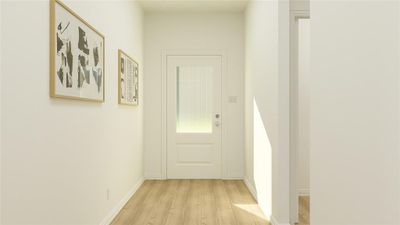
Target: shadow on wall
x,y
262,166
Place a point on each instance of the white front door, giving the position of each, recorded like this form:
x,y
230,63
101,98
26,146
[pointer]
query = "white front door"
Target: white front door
x,y
194,117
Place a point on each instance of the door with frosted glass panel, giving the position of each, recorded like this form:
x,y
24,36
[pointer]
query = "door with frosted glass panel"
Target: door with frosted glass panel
x,y
194,117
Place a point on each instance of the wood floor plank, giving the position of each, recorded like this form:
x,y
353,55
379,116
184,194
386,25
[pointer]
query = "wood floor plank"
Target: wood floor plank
x,y
242,217
153,204
159,212
177,209
208,209
304,210
191,202
225,214
192,209
252,205
140,207
130,209
242,205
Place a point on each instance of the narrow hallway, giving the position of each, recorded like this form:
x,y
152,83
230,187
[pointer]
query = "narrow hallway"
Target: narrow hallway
x,y
199,112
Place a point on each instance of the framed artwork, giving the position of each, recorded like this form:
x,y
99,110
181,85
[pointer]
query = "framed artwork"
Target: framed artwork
x,y
128,80
76,56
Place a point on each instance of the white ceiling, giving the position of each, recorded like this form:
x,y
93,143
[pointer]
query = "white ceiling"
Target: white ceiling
x,y
193,5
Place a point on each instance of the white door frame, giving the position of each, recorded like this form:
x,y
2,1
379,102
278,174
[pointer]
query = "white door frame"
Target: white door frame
x,y
293,100
224,97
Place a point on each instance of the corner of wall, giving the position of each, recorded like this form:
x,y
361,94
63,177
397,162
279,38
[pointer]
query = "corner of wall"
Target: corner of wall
x,y
251,187
153,176
275,222
117,208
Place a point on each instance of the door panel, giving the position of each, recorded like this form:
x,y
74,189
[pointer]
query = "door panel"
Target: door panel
x,y
194,117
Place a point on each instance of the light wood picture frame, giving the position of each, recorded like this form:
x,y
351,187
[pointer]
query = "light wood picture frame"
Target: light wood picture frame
x,y
128,80
77,56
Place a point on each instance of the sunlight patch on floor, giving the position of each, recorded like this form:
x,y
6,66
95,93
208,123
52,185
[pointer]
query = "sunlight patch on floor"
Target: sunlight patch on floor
x,y
253,209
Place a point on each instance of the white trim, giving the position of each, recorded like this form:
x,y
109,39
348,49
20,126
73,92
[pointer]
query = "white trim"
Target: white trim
x,y
275,222
233,178
114,211
153,176
251,188
303,192
224,114
164,114
224,103
294,16
294,11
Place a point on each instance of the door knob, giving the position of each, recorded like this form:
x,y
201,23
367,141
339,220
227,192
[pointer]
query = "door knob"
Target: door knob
x,y
217,119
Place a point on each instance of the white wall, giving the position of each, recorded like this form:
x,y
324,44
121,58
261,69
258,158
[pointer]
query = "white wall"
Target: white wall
x,y
1,106
299,150
355,158
58,157
194,31
266,107
299,5
303,116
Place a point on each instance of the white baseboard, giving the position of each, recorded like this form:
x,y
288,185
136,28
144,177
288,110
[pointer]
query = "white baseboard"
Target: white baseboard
x,y
251,188
157,177
114,212
275,222
232,178
303,192
153,176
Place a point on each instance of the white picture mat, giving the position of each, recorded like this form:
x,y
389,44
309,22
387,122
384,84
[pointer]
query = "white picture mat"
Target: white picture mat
x,y
129,80
87,91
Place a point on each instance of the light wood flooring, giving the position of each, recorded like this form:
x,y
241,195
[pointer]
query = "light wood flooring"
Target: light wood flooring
x,y
191,202
304,210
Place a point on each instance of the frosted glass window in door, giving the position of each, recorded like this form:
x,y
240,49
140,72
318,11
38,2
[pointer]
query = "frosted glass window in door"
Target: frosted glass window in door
x,y
194,99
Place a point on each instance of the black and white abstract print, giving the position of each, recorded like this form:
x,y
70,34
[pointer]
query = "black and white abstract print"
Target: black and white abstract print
x,y
129,80
79,61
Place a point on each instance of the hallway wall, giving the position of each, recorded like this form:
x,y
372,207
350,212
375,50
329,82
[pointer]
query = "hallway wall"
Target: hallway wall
x,y
303,113
355,114
267,106
194,31
59,157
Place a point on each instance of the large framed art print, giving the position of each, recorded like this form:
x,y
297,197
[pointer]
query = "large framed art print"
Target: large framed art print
x,y
76,56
